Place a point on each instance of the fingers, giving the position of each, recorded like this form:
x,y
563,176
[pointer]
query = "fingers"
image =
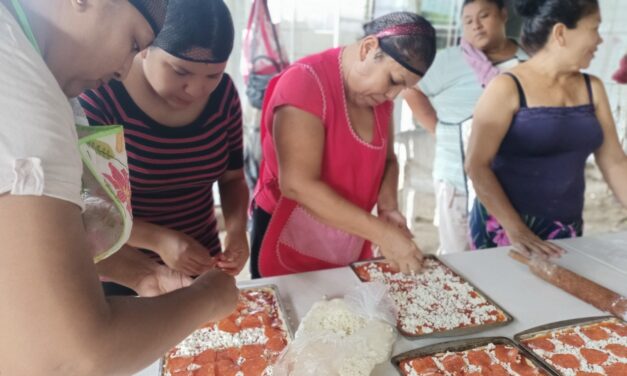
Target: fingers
x,y
175,281
394,266
539,248
401,251
233,260
410,264
554,249
232,266
406,231
520,248
202,257
193,268
413,265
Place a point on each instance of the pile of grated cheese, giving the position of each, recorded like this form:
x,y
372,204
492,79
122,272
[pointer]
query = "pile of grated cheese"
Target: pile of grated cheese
x,y
333,340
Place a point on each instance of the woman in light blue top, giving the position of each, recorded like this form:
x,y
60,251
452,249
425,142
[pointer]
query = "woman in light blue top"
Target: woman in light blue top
x,y
445,98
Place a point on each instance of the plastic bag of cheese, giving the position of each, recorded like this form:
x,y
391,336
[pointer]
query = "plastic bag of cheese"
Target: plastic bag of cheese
x,y
342,337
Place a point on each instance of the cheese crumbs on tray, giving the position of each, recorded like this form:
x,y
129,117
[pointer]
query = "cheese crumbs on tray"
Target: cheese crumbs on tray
x,y
436,300
493,359
246,343
597,349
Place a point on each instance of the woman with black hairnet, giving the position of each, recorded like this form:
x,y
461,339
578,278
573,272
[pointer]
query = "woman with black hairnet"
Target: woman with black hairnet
x,y
327,136
55,319
183,129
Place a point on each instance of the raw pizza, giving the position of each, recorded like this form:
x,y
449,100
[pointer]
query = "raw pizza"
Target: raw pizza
x,y
595,349
490,360
436,300
244,344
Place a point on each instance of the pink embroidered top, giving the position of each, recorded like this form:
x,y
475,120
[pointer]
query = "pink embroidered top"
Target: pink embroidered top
x,y
352,167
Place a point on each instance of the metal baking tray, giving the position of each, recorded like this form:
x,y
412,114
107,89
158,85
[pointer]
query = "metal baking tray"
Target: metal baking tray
x,y
453,332
282,315
463,345
555,326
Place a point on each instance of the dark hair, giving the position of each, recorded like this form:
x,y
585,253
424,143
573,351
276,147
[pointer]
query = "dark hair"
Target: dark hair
x,y
539,17
197,30
154,12
413,46
499,3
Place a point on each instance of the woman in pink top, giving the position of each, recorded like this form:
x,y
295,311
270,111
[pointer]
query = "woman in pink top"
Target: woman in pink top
x,y
327,139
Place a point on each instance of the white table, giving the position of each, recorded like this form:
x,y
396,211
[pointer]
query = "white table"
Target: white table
x,y
530,300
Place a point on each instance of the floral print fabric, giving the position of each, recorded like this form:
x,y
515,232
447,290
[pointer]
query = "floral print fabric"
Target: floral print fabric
x,y
487,232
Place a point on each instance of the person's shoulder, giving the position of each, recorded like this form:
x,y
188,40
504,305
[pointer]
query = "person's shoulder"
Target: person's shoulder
x,y
449,55
227,80
27,85
447,67
451,51
503,90
225,87
597,86
595,81
326,56
102,92
101,105
301,72
23,69
504,82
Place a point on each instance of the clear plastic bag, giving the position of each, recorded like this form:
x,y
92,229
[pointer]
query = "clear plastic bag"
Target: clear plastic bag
x,y
343,337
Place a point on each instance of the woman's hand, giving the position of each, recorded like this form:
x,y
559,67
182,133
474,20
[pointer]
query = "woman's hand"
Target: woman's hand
x,y
395,218
527,243
162,280
183,253
401,252
221,290
235,254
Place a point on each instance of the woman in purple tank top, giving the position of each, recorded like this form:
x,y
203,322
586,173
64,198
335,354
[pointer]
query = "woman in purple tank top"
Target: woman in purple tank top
x,y
535,127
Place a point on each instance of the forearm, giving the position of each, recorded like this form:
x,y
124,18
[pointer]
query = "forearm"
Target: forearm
x,y
336,211
493,197
616,177
126,267
149,327
234,197
55,319
388,197
130,333
422,109
146,235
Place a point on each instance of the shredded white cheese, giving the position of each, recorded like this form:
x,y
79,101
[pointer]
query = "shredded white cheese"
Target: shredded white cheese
x,y
435,300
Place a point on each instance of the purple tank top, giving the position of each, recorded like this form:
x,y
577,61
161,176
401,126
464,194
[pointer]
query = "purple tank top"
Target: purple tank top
x,y
541,161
